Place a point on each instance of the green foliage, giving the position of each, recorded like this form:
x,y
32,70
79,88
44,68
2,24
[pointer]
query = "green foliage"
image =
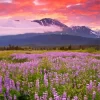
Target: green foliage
x,y
91,50
19,60
14,92
97,57
24,97
1,97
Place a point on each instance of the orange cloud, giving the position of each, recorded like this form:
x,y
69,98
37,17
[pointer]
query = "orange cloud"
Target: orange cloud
x,y
63,10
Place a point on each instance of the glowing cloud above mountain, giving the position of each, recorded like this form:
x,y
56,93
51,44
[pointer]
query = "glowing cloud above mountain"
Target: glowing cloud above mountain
x,y
70,12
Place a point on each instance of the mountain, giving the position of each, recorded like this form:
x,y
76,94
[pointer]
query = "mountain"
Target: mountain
x,y
47,40
45,25
50,22
83,31
74,30
45,33
98,33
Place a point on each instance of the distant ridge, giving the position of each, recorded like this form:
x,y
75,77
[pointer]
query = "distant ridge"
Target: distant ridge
x,y
51,39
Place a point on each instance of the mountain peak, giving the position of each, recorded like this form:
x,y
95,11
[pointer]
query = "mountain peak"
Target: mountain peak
x,y
49,22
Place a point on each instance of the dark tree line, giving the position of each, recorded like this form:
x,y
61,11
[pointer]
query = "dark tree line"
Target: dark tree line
x,y
68,47
12,47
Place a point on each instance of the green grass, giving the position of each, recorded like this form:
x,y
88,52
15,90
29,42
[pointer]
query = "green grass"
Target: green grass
x,y
7,53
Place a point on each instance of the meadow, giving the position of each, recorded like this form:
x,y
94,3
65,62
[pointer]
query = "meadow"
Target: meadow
x,y
49,75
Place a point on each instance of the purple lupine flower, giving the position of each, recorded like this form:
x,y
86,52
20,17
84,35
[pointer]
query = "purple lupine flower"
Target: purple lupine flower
x,y
45,80
68,98
10,98
41,98
37,83
0,84
7,81
15,98
98,87
0,79
53,91
85,97
64,96
7,89
56,78
75,98
45,95
18,86
12,84
5,98
63,99
0,88
93,95
36,96
57,97
90,86
50,98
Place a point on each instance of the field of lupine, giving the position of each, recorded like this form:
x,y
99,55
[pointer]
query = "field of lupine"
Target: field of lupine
x,y
50,76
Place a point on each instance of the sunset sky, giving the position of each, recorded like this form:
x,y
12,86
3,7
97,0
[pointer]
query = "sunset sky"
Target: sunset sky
x,y
70,12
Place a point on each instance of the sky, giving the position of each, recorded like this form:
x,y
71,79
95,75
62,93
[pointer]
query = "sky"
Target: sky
x,y
69,12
